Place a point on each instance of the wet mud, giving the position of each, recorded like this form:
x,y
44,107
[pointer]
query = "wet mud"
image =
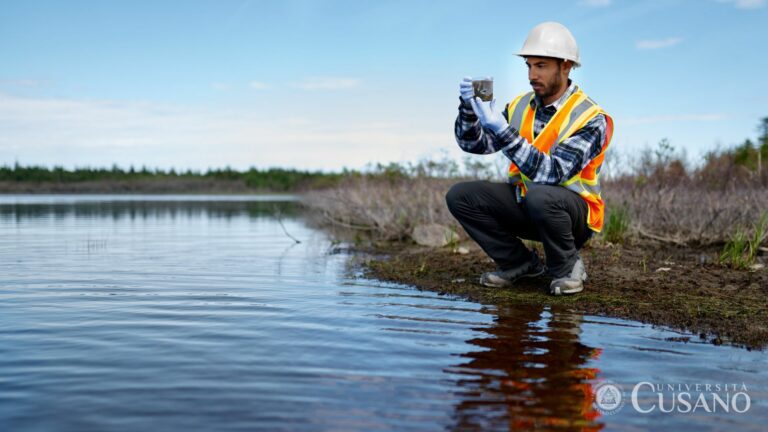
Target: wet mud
x,y
675,287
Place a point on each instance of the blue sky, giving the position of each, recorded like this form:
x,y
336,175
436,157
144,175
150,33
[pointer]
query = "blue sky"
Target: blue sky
x,y
327,84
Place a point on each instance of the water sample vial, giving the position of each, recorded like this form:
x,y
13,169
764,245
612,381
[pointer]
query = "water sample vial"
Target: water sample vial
x,y
483,88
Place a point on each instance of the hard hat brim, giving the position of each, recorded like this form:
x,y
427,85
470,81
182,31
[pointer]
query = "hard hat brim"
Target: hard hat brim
x,y
549,55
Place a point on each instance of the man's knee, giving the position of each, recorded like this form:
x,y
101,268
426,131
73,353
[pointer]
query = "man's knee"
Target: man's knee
x,y
459,194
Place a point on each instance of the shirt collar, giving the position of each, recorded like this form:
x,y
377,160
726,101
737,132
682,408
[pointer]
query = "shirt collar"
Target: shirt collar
x,y
572,88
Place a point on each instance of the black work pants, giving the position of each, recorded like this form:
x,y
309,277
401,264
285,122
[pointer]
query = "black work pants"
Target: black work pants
x,y
491,215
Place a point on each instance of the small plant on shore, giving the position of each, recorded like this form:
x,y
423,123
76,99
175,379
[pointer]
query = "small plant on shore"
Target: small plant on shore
x,y
733,251
452,238
741,250
617,225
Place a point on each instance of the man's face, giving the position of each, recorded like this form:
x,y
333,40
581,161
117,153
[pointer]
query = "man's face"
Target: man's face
x,y
546,75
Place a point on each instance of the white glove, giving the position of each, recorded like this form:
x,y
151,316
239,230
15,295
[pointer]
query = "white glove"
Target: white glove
x,y
466,91
487,114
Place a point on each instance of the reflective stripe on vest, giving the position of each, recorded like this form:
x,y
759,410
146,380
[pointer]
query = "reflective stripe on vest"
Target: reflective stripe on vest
x,y
576,112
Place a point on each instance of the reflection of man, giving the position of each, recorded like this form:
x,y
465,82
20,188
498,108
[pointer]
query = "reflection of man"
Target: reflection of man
x,y
532,372
556,138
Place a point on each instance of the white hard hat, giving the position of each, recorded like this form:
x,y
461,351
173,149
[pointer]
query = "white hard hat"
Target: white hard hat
x,y
551,39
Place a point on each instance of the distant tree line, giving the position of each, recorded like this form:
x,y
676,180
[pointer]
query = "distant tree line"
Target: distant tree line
x,y
754,155
741,165
274,179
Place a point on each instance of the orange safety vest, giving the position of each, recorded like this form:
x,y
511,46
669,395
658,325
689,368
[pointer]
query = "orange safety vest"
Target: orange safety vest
x,y
576,112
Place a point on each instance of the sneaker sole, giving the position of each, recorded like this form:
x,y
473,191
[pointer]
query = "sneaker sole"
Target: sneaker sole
x,y
565,291
510,283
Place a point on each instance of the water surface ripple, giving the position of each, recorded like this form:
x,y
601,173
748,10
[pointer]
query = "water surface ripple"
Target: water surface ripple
x,y
199,313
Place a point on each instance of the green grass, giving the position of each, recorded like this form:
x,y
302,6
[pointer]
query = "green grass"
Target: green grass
x,y
741,250
617,225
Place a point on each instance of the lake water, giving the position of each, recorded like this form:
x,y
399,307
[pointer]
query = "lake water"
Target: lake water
x,y
199,313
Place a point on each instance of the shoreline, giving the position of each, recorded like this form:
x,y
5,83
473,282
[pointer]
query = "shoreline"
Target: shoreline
x,y
128,187
681,288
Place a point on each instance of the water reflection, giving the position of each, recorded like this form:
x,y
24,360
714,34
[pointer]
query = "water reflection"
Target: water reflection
x,y
532,373
176,313
141,209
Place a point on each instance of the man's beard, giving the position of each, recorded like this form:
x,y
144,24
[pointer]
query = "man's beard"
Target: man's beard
x,y
549,89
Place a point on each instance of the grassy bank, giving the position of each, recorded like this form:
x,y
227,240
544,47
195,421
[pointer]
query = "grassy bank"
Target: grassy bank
x,y
683,248
644,281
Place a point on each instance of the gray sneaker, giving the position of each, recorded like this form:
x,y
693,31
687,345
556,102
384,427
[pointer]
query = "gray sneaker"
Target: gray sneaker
x,y
571,284
503,278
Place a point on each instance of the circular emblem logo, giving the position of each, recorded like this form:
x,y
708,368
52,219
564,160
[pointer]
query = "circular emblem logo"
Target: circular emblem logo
x,y
609,398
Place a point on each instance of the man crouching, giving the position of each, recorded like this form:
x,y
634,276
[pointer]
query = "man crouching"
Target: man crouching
x,y
556,138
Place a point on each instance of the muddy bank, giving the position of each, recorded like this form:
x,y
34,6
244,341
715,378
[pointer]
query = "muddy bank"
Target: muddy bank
x,y
682,288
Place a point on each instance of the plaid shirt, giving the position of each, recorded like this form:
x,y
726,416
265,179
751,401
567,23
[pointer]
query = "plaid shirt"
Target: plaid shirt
x,y
564,161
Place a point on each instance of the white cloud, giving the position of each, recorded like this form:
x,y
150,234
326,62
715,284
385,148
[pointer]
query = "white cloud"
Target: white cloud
x,y
745,4
650,44
327,83
102,132
257,85
596,3
671,118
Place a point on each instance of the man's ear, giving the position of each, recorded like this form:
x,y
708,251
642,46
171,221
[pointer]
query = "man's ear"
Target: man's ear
x,y
567,66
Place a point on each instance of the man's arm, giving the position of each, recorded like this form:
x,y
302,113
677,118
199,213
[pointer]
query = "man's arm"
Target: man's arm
x,y
471,136
567,158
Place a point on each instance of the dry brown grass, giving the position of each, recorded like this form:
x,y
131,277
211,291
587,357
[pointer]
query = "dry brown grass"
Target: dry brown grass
x,y
706,205
387,209
686,212
673,207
